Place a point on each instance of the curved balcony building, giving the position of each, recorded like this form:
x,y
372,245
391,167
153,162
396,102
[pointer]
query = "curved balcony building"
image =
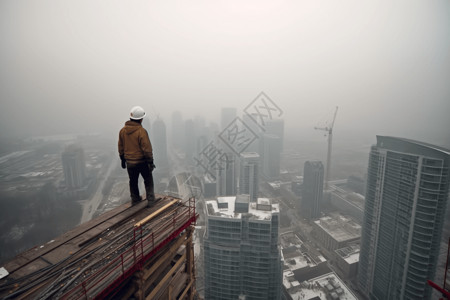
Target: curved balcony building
x,y
406,197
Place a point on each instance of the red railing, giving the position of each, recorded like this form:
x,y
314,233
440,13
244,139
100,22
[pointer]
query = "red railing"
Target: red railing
x,y
445,290
145,242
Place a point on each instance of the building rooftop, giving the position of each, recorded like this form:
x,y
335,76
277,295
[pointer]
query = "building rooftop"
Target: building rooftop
x,y
328,286
350,254
295,255
250,155
297,262
275,185
352,198
225,207
339,227
383,141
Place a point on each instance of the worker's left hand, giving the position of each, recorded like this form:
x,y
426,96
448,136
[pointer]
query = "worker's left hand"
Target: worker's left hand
x,y
124,162
151,166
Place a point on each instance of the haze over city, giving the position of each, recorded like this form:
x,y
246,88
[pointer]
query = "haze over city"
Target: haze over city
x,y
78,66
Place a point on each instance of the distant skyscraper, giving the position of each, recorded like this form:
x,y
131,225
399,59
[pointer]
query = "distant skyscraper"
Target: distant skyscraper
x,y
177,137
74,166
146,123
406,195
254,146
249,173
312,191
190,140
241,249
227,176
228,114
270,156
275,127
158,139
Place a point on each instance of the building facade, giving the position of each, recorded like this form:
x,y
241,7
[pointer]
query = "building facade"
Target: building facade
x,y
347,260
275,127
270,156
227,115
406,196
249,174
227,176
74,167
253,127
177,130
312,191
241,249
158,139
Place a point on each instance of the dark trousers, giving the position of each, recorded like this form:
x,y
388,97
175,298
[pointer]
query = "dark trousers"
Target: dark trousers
x,y
133,173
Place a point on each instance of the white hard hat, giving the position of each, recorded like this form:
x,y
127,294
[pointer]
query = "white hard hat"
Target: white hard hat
x,y
137,113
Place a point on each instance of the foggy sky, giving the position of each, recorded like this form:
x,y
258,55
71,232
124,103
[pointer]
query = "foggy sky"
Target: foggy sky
x,y
79,66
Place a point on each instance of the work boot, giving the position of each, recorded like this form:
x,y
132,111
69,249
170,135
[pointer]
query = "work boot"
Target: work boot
x,y
151,201
135,201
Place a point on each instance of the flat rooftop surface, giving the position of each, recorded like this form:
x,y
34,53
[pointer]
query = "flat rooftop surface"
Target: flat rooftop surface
x,y
339,227
349,254
228,211
324,287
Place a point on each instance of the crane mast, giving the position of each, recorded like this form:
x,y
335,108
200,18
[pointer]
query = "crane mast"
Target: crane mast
x,y
328,130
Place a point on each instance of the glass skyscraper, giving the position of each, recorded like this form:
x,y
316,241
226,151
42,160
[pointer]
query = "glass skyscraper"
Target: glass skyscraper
x,y
406,196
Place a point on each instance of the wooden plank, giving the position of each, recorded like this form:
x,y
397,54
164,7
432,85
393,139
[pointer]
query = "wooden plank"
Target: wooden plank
x,y
154,214
169,253
168,275
178,282
187,289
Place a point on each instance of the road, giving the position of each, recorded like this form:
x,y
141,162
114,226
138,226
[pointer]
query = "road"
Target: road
x,y
90,206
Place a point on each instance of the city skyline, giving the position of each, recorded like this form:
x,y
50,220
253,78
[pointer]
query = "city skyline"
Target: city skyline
x,y
261,190
370,59
233,92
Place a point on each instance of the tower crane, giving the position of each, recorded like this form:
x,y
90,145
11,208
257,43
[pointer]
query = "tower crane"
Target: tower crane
x,y
328,130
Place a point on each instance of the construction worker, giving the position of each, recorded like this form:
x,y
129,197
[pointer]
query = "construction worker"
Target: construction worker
x,y
135,151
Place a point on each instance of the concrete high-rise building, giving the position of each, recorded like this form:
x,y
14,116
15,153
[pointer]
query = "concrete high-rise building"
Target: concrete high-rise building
x,y
312,190
249,121
74,166
159,143
270,156
406,196
241,249
227,176
177,137
275,127
227,115
146,123
190,140
249,174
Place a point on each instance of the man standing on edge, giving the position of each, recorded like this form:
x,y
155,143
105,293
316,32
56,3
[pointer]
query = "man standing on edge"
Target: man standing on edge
x,y
135,151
